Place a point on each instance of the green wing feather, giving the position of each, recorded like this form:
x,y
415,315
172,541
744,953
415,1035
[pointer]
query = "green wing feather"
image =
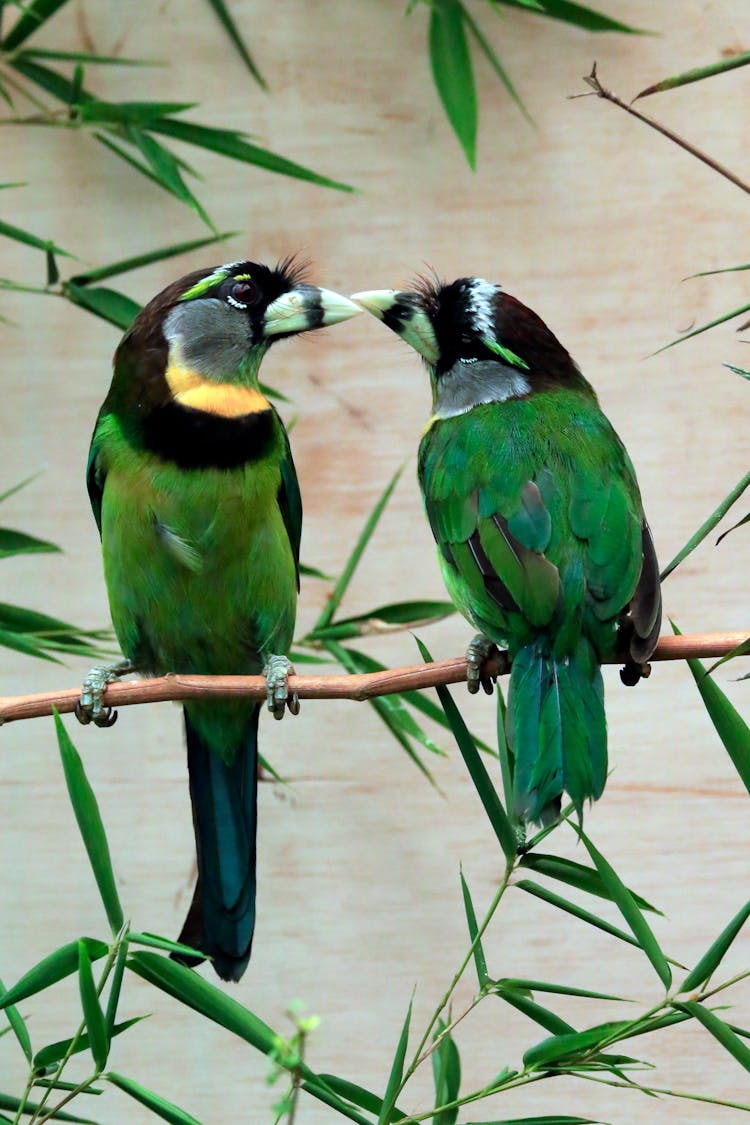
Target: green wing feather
x,y
290,501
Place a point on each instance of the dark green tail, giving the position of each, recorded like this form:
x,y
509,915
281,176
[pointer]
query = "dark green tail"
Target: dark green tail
x,y
221,918
556,729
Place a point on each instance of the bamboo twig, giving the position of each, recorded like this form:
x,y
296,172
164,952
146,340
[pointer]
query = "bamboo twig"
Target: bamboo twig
x,y
357,687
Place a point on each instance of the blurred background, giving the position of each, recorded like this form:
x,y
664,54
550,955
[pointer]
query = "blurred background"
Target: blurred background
x,y
594,221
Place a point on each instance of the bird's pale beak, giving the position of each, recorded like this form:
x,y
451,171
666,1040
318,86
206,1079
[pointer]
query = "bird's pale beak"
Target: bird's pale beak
x,y
402,312
304,308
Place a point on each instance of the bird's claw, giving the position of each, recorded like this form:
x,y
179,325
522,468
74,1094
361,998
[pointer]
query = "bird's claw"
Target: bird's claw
x,y
632,673
478,653
90,708
277,672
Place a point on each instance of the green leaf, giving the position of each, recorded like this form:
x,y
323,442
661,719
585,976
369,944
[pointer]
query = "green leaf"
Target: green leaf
x,y
50,80
560,1047
505,756
129,113
34,14
229,143
62,963
397,1071
399,615
720,1031
314,572
627,906
550,1021
92,1012
578,16
166,170
558,989
704,328
494,61
54,1052
697,74
452,71
28,631
577,875
487,794
168,1111
17,487
352,562
712,958
446,1073
572,908
89,820
153,941
84,57
14,1104
480,961
115,987
17,543
555,1119
231,29
708,525
361,1097
740,523
29,239
742,649
17,1024
730,726
738,370
147,259
111,306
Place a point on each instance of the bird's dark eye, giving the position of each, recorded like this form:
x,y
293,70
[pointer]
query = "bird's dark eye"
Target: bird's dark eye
x,y
242,294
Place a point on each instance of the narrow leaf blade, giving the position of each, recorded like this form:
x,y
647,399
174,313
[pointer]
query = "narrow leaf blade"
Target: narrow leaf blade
x,y
452,71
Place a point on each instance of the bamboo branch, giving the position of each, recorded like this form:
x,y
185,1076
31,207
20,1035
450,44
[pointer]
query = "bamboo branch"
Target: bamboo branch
x,y
356,687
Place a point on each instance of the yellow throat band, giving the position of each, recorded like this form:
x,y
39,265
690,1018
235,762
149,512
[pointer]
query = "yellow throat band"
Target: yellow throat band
x,y
228,400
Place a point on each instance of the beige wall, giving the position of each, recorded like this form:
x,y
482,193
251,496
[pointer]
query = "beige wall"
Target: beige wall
x,y
593,220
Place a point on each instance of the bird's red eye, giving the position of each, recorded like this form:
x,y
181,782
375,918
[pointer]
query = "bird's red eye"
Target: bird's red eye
x,y
242,294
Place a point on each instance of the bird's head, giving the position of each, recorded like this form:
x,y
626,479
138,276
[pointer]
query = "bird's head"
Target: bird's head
x,y
221,322
478,343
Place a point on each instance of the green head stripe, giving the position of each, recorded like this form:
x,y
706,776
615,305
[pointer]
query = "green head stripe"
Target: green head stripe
x,y
205,284
505,353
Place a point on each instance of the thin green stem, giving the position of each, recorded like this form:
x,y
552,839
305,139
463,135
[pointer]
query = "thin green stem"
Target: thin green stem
x,y
664,1090
69,1097
720,987
459,972
21,89
24,1098
447,1030
525,1078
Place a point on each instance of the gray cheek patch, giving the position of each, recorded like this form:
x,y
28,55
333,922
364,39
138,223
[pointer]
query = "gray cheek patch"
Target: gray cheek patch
x,y
469,384
212,337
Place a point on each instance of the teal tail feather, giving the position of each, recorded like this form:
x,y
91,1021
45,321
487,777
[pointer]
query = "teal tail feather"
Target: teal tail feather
x,y
557,730
224,795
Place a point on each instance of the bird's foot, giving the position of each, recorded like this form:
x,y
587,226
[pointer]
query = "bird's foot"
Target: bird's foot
x,y
89,708
632,673
477,654
277,671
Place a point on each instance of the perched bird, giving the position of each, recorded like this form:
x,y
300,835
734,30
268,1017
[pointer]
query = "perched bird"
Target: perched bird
x,y
542,541
194,491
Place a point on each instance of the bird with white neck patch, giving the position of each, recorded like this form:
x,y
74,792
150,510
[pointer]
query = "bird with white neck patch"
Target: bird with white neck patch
x,y
535,508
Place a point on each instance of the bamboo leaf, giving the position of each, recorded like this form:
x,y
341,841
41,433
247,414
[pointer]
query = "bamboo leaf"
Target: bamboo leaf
x,y
558,989
742,649
92,1012
365,1099
554,1119
17,1025
452,71
229,143
560,1047
94,111
446,1073
704,328
168,1111
232,31
398,615
572,908
33,15
627,906
397,1071
111,306
166,170
550,1021
352,562
740,523
153,941
494,61
738,370
708,525
487,794
62,963
18,543
730,726
89,820
697,74
84,57
115,987
480,961
18,235
577,875
50,80
14,1105
713,956
578,16
720,1031
54,1052
147,259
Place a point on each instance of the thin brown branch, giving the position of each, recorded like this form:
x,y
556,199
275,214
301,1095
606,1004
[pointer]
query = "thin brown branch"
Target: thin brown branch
x,y
592,80
357,687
